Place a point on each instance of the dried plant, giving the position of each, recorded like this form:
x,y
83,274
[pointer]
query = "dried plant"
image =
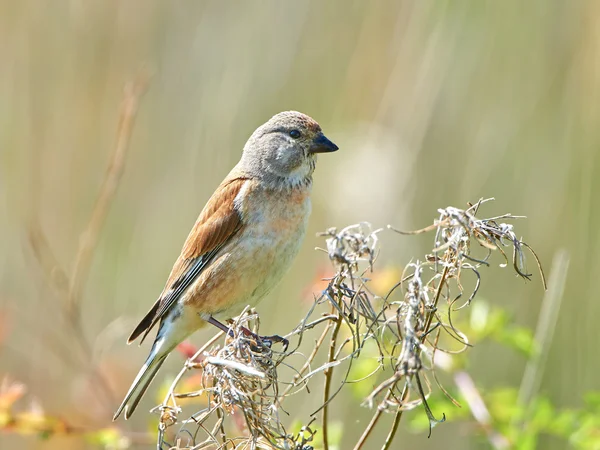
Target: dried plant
x,y
241,377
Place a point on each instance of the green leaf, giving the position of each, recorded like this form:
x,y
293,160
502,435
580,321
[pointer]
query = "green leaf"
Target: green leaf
x,y
517,338
527,441
109,438
503,406
335,431
592,400
361,384
543,413
563,424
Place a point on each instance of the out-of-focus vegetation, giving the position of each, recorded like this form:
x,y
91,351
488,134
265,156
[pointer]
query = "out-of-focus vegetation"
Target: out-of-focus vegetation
x,y
431,103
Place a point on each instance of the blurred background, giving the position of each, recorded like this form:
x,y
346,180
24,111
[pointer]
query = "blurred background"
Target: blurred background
x,y
431,103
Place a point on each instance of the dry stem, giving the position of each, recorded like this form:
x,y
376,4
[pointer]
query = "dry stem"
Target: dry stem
x,y
243,376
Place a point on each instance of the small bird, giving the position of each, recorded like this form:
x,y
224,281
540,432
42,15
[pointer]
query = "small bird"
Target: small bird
x,y
241,244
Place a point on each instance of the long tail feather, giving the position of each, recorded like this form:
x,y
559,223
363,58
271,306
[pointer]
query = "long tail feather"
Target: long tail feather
x,y
142,381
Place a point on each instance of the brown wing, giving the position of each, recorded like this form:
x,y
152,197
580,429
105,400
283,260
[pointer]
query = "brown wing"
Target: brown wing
x,y
217,223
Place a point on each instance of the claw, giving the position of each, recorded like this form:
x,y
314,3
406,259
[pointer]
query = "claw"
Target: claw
x,y
267,341
275,339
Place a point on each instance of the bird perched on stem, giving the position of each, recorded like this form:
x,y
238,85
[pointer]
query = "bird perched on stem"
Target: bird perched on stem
x,y
242,243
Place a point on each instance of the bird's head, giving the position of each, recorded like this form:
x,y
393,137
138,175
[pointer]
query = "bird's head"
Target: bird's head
x,y
285,148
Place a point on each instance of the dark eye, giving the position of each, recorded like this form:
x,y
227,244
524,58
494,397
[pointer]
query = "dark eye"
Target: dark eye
x,y
295,134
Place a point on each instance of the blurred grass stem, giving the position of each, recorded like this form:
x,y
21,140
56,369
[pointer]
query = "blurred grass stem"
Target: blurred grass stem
x,y
71,289
89,237
546,325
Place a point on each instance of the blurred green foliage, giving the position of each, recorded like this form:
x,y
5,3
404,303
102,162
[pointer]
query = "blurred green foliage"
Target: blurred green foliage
x,y
522,424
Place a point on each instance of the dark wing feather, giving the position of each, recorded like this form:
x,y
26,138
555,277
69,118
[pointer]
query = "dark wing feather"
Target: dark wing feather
x,y
217,223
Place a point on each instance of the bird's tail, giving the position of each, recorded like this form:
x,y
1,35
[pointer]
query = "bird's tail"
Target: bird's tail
x,y
157,357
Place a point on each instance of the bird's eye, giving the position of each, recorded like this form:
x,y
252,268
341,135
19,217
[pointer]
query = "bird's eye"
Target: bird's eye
x,y
295,134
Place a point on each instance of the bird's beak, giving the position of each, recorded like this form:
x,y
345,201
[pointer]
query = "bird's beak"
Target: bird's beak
x,y
322,145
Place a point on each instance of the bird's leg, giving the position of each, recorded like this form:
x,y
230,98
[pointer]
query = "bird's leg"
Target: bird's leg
x,y
266,340
220,326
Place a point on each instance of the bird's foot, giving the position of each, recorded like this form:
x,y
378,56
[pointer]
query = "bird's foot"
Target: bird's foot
x,y
267,341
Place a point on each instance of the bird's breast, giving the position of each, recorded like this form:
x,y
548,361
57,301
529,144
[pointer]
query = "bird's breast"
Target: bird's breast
x,y
276,214
257,257
275,225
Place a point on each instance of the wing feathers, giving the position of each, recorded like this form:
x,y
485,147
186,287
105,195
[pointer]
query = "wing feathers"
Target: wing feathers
x,y
217,223
145,323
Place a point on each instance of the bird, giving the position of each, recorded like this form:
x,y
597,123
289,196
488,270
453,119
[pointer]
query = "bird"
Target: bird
x,y
242,243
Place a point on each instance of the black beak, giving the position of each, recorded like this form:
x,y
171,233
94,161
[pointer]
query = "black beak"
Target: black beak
x,y
322,145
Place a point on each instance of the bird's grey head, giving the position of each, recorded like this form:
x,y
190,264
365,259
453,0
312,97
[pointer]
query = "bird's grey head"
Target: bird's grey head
x,y
284,149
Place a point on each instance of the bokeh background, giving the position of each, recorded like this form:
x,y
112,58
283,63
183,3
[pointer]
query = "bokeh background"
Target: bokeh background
x,y
431,103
